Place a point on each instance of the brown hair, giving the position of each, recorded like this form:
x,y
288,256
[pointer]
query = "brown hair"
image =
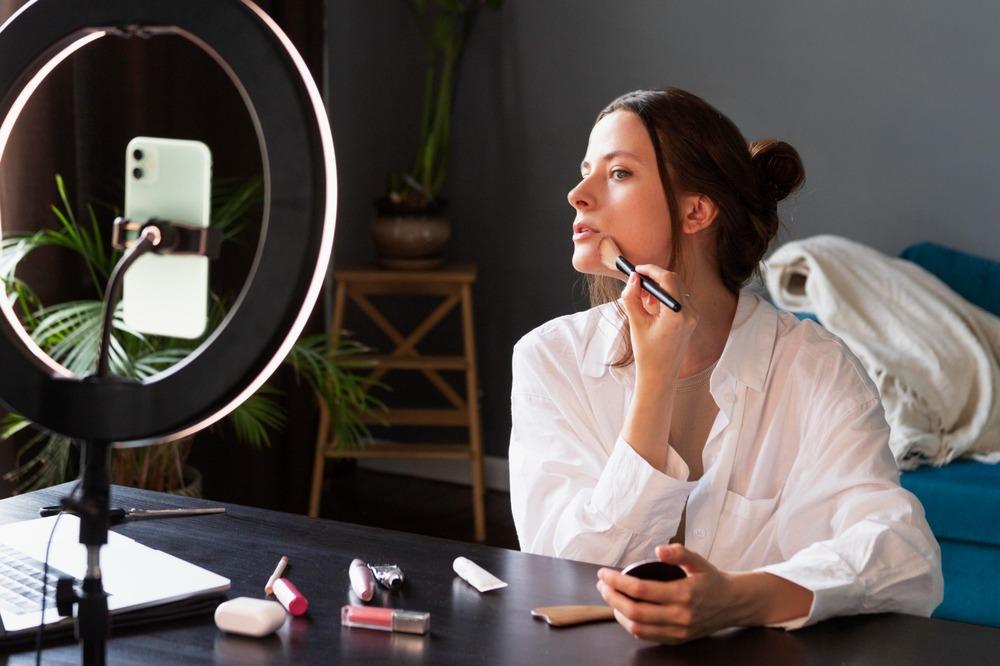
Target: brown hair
x,y
700,150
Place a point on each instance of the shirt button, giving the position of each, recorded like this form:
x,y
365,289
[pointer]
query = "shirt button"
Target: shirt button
x,y
699,533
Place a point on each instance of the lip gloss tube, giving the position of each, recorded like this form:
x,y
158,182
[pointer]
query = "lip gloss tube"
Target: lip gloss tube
x,y
385,619
290,597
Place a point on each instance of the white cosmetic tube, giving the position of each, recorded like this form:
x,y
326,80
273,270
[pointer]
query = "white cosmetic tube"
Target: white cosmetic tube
x,y
475,575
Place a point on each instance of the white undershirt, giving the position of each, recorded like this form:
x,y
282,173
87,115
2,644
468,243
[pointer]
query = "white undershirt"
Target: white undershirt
x,y
693,415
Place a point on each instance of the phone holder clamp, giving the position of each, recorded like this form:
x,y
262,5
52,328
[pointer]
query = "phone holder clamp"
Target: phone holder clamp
x,y
175,237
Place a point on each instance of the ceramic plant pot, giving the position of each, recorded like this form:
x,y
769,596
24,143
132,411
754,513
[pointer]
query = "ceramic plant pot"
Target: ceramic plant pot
x,y
410,242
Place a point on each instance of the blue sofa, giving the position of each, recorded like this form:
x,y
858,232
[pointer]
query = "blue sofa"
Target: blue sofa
x,y
962,499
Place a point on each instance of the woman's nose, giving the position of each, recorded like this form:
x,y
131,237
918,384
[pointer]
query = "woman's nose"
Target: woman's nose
x,y
578,197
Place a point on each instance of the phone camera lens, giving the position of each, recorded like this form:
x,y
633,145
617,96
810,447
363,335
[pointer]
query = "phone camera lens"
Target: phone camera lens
x,y
137,154
137,173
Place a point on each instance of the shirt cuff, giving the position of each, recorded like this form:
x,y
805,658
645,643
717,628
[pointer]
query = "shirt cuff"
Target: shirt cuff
x,y
633,494
836,587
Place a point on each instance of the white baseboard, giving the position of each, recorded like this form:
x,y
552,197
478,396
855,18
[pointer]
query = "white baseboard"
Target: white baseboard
x,y
452,471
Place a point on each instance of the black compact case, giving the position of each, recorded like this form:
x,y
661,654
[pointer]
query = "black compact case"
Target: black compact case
x,y
654,570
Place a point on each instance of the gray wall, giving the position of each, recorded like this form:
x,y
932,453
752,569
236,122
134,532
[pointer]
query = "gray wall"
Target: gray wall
x,y
893,106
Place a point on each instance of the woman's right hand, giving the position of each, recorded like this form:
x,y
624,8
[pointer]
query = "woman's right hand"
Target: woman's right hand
x,y
660,336
660,340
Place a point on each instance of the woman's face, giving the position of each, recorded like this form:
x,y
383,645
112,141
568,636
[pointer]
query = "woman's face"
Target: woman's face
x,y
620,195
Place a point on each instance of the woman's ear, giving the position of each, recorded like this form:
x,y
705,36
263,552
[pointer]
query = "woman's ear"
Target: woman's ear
x,y
698,213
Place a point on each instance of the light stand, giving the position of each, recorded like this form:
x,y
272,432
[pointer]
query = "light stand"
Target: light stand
x,y
293,253
93,625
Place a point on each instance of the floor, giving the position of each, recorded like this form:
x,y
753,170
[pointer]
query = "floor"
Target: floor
x,y
356,495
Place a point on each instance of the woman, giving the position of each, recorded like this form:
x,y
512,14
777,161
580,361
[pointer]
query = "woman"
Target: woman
x,y
731,439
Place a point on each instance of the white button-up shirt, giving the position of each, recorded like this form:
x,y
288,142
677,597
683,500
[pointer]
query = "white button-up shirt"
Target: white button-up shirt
x,y
799,480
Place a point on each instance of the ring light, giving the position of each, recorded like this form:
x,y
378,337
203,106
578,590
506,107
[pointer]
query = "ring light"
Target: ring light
x,y
300,197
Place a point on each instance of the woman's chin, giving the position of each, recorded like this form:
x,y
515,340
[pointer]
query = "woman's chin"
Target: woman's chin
x,y
586,261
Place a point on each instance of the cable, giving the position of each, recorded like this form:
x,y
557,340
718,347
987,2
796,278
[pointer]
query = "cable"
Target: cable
x,y
45,578
149,238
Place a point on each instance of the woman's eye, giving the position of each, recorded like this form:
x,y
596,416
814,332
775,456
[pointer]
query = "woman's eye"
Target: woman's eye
x,y
619,174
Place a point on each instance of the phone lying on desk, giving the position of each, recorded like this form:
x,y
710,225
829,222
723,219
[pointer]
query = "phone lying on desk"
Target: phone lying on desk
x,y
167,179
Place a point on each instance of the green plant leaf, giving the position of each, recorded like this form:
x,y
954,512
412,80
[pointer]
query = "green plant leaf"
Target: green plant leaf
x,y
23,300
232,201
257,416
70,333
13,249
157,361
87,243
11,424
59,320
444,26
346,394
61,188
47,463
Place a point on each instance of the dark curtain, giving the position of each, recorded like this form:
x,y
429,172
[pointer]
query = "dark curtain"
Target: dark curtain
x,y
78,123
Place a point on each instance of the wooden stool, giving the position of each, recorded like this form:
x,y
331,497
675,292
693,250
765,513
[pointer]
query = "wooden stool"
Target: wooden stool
x,y
454,284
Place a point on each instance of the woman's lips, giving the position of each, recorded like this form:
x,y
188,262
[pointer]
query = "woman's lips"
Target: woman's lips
x,y
583,233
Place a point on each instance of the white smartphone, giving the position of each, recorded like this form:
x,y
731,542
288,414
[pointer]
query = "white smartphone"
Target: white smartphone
x,y
168,179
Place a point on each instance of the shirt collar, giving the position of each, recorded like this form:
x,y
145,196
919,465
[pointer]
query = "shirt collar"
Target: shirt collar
x,y
748,351
745,358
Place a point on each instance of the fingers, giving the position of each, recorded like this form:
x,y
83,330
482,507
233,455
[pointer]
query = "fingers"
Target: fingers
x,y
669,623
668,280
649,302
637,611
673,592
641,611
645,306
632,299
686,559
669,634
676,611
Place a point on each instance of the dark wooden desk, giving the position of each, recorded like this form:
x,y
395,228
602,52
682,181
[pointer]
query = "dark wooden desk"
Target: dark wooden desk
x,y
466,627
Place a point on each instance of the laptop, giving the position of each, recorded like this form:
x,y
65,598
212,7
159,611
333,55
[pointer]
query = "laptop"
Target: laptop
x,y
135,576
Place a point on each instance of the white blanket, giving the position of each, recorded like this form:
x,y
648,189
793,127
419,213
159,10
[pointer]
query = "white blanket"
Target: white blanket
x,y
934,356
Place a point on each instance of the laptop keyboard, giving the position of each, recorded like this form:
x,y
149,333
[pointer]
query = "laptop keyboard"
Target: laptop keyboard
x,y
21,579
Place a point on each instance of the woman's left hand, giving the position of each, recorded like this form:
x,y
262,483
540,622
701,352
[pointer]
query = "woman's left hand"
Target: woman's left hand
x,y
676,611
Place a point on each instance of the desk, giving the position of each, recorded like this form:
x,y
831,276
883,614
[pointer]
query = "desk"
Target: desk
x,y
466,627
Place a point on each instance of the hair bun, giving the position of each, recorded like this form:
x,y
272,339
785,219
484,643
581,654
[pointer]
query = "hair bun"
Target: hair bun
x,y
778,168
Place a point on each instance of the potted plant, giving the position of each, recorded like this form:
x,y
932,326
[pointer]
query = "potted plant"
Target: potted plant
x,y
411,227
69,333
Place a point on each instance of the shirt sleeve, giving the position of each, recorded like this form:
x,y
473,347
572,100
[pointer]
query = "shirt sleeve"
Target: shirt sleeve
x,y
851,533
575,496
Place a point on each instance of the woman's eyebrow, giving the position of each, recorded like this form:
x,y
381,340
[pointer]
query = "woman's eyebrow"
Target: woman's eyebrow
x,y
610,156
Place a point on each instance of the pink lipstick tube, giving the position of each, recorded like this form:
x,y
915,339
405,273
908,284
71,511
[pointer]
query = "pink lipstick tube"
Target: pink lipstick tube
x,y
290,597
385,619
361,579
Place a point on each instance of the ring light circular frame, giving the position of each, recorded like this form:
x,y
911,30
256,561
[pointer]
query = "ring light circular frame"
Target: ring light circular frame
x,y
296,235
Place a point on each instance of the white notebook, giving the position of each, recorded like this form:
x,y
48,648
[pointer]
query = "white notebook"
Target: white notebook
x,y
135,576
